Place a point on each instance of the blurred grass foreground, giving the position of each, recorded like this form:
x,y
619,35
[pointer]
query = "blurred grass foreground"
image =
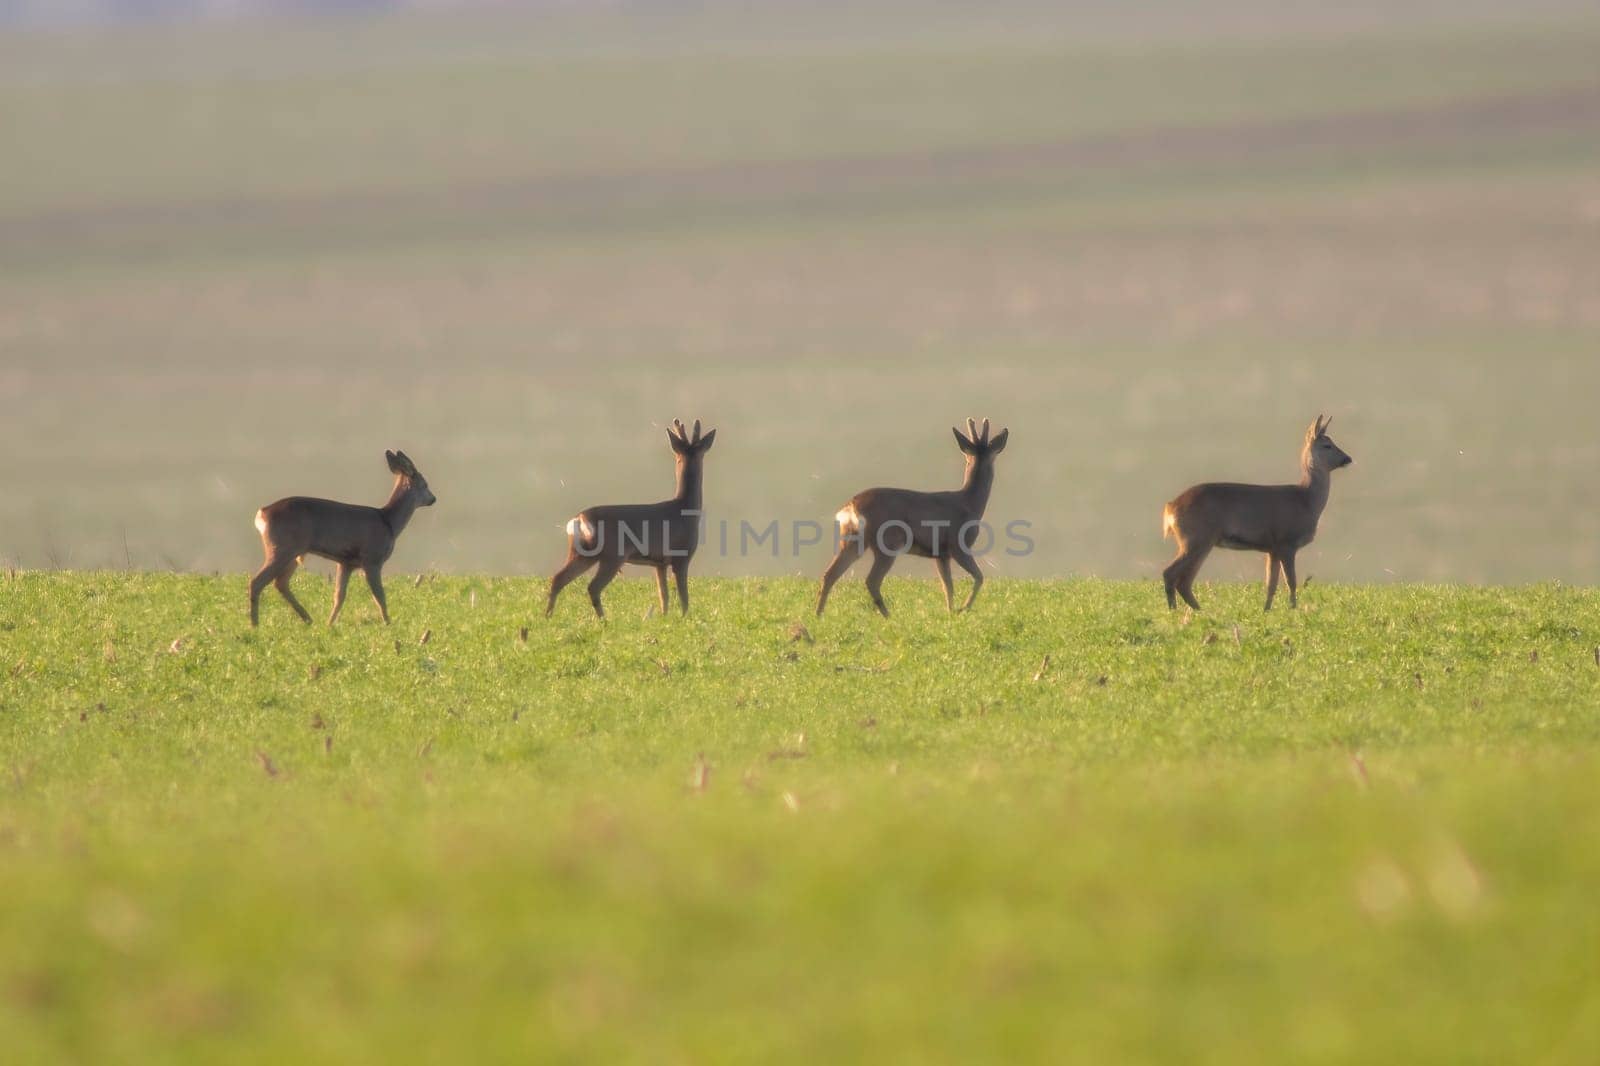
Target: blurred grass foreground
x,y
1067,827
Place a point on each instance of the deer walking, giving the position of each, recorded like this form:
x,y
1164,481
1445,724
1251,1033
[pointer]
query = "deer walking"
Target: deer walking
x,y
353,536
935,525
661,535
1278,520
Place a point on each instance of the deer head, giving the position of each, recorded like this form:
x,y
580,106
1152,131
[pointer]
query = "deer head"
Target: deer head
x,y
411,480
1320,452
689,450
687,446
977,446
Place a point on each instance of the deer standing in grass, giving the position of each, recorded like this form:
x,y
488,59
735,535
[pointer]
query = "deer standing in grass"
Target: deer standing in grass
x,y
1276,519
935,525
353,536
661,535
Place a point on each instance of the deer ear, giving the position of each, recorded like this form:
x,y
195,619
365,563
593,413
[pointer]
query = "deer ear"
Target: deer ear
x,y
394,462
672,439
998,445
961,442
705,441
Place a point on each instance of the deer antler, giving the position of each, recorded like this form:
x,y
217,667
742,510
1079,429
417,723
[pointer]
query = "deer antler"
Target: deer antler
x,y
696,439
985,439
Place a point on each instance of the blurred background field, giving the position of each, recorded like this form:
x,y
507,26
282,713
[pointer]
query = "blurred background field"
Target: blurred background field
x,y
240,257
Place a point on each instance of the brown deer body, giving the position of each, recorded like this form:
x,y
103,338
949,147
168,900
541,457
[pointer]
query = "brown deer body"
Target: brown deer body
x,y
934,525
1277,520
660,535
353,536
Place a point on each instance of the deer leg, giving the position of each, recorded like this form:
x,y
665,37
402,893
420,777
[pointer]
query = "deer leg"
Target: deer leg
x,y
941,563
375,583
341,580
965,560
680,570
285,572
575,565
849,552
661,585
1172,576
1169,580
1288,575
1190,560
1272,579
258,584
597,584
881,562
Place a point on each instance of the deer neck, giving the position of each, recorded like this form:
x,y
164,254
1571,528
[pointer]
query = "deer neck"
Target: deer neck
x,y
1316,482
401,506
975,487
688,494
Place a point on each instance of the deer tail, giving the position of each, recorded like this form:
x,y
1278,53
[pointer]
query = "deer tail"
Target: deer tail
x,y
580,529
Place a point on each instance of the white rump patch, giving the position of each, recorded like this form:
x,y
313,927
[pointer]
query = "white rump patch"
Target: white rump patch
x,y
1168,522
579,527
261,522
848,520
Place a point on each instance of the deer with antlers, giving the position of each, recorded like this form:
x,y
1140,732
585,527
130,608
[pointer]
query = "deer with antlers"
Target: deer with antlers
x,y
661,535
1277,520
935,525
353,536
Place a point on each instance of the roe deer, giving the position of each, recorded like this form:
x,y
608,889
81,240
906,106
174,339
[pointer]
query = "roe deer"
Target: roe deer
x,y
1276,519
934,525
663,535
351,535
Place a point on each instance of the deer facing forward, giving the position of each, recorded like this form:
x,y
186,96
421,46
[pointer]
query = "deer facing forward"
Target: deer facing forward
x,y
661,535
1278,520
353,536
935,525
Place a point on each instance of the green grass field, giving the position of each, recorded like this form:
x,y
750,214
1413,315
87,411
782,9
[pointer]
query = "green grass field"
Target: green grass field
x,y
1366,830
